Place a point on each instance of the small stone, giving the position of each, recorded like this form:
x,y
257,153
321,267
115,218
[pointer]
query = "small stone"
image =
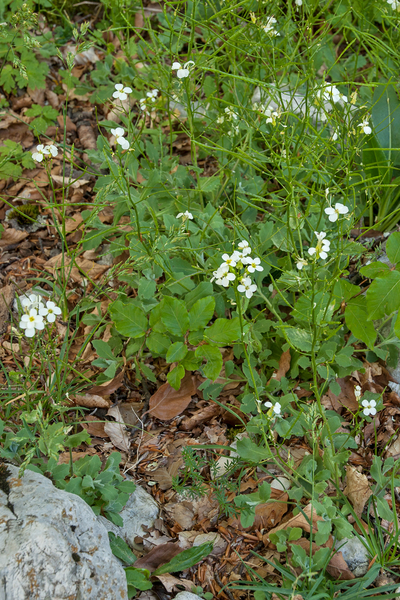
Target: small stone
x,y
355,554
281,483
187,596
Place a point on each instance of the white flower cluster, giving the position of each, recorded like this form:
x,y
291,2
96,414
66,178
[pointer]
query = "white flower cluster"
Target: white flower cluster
x,y
151,97
269,27
35,311
232,269
322,248
182,71
330,93
121,92
119,137
268,111
185,215
369,405
42,151
395,4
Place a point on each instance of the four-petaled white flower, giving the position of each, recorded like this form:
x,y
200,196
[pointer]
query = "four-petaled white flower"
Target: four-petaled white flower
x,y
246,287
42,151
269,27
231,113
369,407
229,261
119,137
30,322
340,209
365,128
301,263
51,149
121,92
244,247
150,97
357,392
50,311
185,215
182,71
322,247
276,408
31,301
253,264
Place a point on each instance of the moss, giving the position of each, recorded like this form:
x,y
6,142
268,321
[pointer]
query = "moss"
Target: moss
x,y
25,214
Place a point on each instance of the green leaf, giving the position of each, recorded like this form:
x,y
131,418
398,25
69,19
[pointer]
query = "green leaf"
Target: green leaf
x,y
146,288
208,184
129,320
252,452
393,247
374,269
120,549
175,376
176,352
383,295
223,331
214,360
137,579
186,559
375,161
201,313
299,338
174,316
103,349
356,318
77,439
158,343
386,120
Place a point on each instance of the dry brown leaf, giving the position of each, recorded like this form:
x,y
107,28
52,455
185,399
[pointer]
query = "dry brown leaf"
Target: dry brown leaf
x,y
87,137
346,398
168,403
180,513
170,583
301,521
268,514
394,448
73,222
88,267
7,294
357,489
94,427
10,236
204,414
163,478
108,387
284,365
64,457
118,434
91,401
158,556
338,568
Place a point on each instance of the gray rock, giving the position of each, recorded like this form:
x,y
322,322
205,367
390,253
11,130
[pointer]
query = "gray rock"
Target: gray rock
x,y
140,511
355,554
51,545
187,596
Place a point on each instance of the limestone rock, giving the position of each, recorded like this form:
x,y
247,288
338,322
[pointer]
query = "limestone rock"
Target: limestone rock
x,y
187,596
51,545
355,554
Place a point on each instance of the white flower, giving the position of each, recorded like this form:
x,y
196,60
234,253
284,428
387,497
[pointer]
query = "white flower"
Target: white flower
x,y
223,276
220,120
51,149
269,27
369,407
365,128
50,311
231,113
119,135
322,247
31,301
121,92
357,392
245,247
275,407
253,264
334,136
246,287
298,2
182,71
153,94
340,209
185,215
230,261
395,4
301,263
30,322
331,92
38,156
270,113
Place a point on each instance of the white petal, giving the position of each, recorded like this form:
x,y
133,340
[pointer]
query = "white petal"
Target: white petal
x,y
176,65
118,86
29,332
333,217
323,255
51,318
312,251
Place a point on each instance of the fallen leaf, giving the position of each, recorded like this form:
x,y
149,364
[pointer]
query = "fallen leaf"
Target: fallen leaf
x,y
88,267
108,387
87,137
94,427
284,365
163,478
180,513
90,401
168,403
268,514
170,582
7,294
73,222
10,236
64,457
357,489
338,568
204,414
346,398
394,448
158,556
301,520
118,435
